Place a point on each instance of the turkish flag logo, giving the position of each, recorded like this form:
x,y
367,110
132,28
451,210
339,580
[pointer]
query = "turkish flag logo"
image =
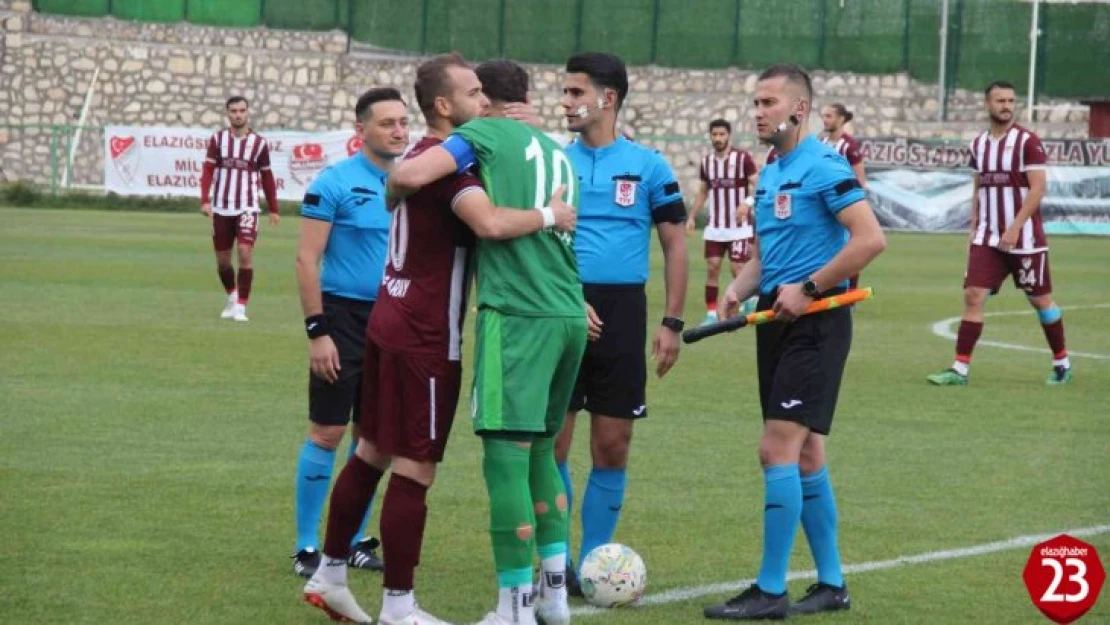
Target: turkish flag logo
x,y
354,144
125,157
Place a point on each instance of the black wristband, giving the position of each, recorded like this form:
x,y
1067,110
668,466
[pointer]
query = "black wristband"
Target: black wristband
x,y
316,326
673,323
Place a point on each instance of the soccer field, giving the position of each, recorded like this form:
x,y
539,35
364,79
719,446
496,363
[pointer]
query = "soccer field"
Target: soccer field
x,y
147,448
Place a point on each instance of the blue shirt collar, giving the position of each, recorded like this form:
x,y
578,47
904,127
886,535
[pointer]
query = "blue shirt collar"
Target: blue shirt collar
x,y
805,145
368,164
602,151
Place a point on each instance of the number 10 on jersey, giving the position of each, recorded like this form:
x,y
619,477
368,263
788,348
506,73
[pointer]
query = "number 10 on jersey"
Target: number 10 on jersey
x,y
561,174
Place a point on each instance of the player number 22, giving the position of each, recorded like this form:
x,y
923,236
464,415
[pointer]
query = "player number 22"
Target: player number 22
x,y
560,172
1080,577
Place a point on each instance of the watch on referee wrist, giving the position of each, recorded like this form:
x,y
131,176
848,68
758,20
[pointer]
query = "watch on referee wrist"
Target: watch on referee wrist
x,y
673,324
809,289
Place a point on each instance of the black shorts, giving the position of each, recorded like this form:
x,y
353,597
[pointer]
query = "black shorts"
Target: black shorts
x,y
801,365
612,380
337,404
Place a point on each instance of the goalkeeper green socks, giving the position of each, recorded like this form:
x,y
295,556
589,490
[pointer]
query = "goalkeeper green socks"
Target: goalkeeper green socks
x,y
505,465
552,519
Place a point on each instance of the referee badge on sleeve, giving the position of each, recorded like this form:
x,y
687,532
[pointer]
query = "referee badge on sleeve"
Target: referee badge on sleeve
x,y
783,207
625,193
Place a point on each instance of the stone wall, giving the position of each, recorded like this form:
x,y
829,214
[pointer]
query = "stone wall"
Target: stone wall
x,y
180,75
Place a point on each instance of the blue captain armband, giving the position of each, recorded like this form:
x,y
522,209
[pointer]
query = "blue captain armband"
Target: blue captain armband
x,y
463,153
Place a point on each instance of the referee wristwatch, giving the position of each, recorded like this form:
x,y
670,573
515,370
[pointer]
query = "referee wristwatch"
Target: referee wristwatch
x,y
809,289
673,324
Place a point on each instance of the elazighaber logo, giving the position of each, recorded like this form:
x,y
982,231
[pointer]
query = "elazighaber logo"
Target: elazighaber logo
x,y
308,160
1064,577
125,157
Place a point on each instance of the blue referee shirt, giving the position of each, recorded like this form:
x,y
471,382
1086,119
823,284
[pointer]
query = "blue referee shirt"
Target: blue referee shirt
x,y
796,204
350,195
624,188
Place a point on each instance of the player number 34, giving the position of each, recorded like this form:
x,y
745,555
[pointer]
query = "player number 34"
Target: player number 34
x,y
1079,577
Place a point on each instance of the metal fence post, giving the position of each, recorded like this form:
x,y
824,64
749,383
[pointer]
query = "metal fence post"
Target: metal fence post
x,y
942,71
53,160
952,76
1034,34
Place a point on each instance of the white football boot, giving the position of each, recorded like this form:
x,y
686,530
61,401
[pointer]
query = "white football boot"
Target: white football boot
x,y
417,617
494,619
240,313
337,601
229,308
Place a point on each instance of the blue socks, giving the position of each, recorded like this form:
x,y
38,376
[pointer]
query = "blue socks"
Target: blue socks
x,y
601,508
782,510
819,523
564,472
313,481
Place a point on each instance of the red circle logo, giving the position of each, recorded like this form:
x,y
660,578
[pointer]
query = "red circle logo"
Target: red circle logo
x,y
354,144
1064,576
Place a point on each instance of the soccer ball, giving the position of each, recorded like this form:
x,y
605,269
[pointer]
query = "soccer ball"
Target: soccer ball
x,y
612,575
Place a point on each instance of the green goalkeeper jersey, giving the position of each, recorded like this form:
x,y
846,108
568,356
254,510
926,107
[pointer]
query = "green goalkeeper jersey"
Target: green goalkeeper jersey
x,y
534,275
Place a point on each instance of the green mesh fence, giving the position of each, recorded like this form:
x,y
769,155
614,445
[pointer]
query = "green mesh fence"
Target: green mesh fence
x,y
623,27
473,27
992,43
1074,50
301,14
866,36
988,39
146,11
772,31
233,13
697,33
79,8
393,25
922,43
542,31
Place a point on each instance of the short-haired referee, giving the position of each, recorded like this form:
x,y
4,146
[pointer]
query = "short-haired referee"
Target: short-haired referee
x,y
814,229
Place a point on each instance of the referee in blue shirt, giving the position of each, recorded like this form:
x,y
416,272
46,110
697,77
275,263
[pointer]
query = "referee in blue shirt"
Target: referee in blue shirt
x,y
814,229
625,190
340,261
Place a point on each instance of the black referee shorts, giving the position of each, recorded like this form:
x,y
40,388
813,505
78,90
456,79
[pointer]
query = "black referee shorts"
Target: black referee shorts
x,y
337,404
612,380
801,365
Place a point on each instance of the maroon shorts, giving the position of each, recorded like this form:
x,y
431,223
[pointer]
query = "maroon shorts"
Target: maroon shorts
x,y
226,229
987,268
738,251
408,402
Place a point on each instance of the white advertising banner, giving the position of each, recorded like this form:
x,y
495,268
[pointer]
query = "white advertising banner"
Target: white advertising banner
x,y
151,160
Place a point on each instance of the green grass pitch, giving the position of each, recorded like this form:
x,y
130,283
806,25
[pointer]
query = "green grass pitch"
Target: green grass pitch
x,y
147,448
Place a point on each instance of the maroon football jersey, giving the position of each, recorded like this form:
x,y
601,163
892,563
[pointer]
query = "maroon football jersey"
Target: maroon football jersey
x,y
1002,166
422,299
845,146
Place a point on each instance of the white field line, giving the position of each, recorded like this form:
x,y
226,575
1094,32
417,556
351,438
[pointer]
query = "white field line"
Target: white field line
x,y
693,592
943,329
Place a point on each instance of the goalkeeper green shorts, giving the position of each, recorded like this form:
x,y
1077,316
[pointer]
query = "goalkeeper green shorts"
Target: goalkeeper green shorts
x,y
524,371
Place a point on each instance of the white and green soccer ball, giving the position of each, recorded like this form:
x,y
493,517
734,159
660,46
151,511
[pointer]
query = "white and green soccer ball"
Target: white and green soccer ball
x,y
612,575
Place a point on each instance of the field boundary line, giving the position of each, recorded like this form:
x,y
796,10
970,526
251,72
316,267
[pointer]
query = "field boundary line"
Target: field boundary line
x,y
1018,542
943,329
